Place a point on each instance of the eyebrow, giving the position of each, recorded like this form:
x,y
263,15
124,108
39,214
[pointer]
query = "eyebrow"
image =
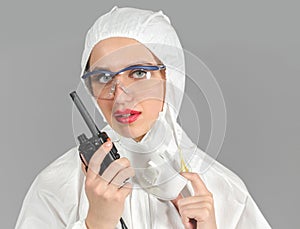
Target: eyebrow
x,y
133,64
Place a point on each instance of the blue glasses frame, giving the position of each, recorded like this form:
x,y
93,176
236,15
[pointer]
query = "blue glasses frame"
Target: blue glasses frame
x,y
136,67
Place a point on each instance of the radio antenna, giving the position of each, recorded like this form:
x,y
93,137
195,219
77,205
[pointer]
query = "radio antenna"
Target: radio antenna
x,y
86,116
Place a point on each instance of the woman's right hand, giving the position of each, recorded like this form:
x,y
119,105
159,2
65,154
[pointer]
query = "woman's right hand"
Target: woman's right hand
x,y
106,193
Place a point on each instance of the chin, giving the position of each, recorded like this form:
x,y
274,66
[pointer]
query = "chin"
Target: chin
x,y
131,132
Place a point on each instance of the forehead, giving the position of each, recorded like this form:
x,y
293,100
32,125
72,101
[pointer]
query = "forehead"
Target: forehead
x,y
118,52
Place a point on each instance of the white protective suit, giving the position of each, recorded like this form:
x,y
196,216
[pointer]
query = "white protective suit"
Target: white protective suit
x,y
57,199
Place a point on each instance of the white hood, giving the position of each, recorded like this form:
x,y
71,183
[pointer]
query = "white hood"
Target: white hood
x,y
166,138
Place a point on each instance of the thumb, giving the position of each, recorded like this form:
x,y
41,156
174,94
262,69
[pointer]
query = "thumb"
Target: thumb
x,y
83,168
175,201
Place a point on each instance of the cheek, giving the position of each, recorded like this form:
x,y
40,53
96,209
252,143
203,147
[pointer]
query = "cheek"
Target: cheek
x,y
106,108
151,108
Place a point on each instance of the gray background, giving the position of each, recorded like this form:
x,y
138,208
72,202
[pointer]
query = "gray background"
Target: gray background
x,y
251,47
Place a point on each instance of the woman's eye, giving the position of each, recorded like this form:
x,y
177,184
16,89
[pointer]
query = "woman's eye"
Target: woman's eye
x,y
102,78
139,74
105,79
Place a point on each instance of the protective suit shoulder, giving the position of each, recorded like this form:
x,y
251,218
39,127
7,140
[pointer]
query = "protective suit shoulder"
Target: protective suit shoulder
x,y
53,197
61,171
231,176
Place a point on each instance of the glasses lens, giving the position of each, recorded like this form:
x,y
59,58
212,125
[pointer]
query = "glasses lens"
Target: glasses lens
x,y
104,84
129,65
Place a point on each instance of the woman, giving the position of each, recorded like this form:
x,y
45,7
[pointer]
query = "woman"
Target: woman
x,y
133,67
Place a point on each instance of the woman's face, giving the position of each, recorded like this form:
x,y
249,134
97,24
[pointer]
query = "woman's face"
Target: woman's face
x,y
136,104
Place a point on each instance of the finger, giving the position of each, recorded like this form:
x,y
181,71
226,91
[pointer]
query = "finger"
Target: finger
x,y
176,201
206,205
98,185
112,170
197,183
187,222
194,199
123,176
126,189
97,159
199,214
83,169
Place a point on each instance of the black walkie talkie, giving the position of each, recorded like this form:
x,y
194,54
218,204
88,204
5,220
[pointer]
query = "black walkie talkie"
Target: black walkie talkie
x,y
89,146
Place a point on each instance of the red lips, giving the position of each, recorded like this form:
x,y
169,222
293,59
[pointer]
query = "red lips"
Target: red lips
x,y
127,115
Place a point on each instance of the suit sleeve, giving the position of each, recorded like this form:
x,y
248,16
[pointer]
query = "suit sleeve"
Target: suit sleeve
x,y
252,217
42,209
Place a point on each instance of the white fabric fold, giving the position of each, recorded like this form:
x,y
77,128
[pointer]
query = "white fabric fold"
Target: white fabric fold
x,y
234,207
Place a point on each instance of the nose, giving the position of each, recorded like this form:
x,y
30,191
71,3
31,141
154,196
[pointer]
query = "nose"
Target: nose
x,y
121,92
